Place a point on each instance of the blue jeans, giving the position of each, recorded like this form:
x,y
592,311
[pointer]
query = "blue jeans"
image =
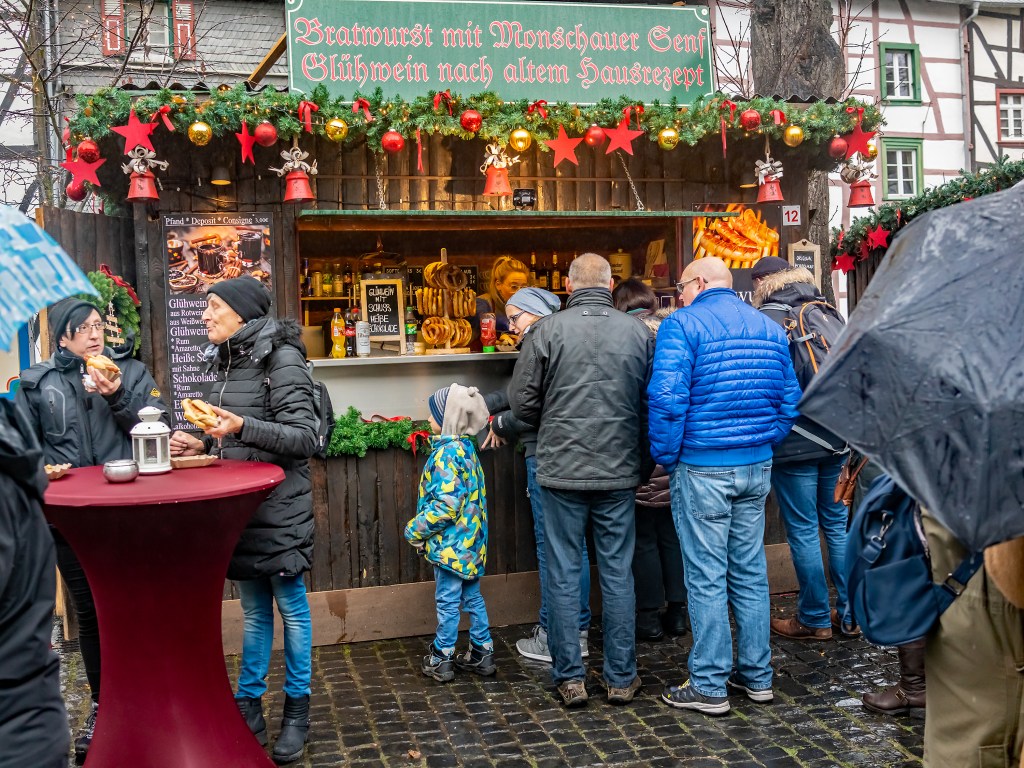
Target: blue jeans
x,y
258,596
565,520
452,595
719,516
533,491
805,491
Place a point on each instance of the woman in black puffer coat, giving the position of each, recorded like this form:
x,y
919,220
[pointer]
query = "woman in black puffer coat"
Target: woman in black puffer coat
x,y
264,398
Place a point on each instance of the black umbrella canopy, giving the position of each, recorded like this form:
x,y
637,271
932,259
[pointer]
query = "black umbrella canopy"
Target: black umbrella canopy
x,y
928,379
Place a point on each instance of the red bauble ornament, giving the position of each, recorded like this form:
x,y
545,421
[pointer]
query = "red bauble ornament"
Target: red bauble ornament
x,y
88,151
595,136
393,142
471,120
750,119
76,190
266,134
837,147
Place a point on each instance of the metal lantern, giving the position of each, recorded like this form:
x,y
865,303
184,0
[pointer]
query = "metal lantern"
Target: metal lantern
x,y
151,443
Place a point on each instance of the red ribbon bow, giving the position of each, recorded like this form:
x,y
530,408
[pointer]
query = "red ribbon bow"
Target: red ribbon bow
x,y
778,116
629,111
419,151
443,96
538,106
66,136
364,105
859,111
163,113
306,110
120,281
731,106
414,438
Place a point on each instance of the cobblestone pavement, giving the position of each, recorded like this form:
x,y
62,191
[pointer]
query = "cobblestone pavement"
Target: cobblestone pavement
x,y
372,707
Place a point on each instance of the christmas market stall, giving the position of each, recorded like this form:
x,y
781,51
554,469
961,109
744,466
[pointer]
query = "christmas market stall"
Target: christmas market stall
x,y
412,174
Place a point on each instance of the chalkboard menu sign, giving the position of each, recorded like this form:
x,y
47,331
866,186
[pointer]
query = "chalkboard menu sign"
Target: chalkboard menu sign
x,y
383,307
202,250
806,254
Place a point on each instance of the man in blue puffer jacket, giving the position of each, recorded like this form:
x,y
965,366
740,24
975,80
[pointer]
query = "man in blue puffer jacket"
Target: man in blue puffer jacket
x,y
723,392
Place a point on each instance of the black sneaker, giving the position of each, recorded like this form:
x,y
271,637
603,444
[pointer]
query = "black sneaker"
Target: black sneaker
x,y
477,659
439,666
84,740
686,697
762,696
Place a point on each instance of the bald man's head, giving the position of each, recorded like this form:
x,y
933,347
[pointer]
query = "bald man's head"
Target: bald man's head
x,y
712,269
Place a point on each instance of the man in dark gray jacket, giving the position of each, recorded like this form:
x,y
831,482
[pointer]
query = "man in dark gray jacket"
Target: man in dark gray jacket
x,y
581,378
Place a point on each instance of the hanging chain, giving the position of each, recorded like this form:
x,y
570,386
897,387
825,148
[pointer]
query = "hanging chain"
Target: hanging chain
x,y
632,186
380,183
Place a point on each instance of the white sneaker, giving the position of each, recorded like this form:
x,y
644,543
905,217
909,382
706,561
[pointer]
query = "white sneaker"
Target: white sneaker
x,y
535,647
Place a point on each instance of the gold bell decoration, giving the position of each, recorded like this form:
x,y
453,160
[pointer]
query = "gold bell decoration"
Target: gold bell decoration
x,y
200,133
668,138
520,140
793,136
336,129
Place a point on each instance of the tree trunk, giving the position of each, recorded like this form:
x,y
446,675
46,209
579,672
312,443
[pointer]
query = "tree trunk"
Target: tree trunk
x,y
793,53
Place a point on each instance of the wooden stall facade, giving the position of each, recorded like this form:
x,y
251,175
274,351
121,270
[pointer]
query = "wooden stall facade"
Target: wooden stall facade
x,y
366,582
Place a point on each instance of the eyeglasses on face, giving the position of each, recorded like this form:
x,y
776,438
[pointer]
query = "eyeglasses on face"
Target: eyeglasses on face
x,y
86,327
512,320
684,283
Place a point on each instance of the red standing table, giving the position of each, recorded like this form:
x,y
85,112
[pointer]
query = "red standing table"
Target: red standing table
x,y
156,552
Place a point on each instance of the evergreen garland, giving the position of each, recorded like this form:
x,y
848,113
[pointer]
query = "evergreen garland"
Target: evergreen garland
x,y
124,308
223,110
354,437
895,215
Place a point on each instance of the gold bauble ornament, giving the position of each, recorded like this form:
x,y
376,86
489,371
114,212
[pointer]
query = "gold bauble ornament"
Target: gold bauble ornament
x,y
520,139
872,149
793,136
178,99
668,138
336,129
199,133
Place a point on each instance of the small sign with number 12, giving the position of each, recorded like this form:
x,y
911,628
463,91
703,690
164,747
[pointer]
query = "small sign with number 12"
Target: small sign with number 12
x,y
791,216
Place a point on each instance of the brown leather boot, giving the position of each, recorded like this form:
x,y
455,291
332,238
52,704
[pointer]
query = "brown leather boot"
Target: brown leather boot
x,y
908,694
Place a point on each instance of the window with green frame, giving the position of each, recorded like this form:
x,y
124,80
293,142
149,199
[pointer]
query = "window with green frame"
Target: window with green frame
x,y
899,72
902,168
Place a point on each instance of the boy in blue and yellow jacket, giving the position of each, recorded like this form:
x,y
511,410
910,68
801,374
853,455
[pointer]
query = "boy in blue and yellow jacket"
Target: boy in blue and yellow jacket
x,y
450,530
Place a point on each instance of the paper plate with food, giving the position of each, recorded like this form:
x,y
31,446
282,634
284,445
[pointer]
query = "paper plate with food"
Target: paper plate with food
x,y
192,462
56,471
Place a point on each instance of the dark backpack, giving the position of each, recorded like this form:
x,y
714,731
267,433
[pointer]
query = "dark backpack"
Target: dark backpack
x,y
889,584
812,328
324,413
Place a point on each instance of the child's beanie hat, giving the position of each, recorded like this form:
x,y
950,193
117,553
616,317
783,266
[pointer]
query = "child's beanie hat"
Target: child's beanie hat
x,y
437,403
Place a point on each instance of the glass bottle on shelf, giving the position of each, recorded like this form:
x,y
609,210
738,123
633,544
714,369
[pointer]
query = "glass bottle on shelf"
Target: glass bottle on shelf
x,y
533,268
328,282
338,334
339,282
556,275
347,281
542,277
305,288
411,326
350,333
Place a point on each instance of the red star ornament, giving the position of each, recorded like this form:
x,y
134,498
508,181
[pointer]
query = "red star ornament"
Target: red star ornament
x,y
136,133
621,137
246,139
844,261
565,148
84,171
878,237
857,140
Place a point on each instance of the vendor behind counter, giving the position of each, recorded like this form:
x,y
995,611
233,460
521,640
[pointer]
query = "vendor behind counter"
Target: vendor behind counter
x,y
508,275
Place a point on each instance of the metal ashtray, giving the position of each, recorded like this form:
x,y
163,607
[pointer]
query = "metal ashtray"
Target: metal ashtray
x,y
121,470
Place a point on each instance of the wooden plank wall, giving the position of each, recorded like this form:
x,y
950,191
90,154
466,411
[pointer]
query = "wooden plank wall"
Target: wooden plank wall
x,y
92,240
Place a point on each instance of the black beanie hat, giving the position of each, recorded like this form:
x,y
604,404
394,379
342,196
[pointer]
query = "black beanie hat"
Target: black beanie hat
x,y
67,312
246,295
769,265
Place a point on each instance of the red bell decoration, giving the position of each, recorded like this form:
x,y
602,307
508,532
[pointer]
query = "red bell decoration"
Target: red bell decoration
x,y
142,187
770,192
837,147
88,151
769,171
76,190
497,182
595,136
471,120
297,188
750,119
266,134
860,195
393,142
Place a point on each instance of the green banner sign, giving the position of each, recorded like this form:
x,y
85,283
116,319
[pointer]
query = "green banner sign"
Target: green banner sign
x,y
553,51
